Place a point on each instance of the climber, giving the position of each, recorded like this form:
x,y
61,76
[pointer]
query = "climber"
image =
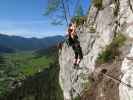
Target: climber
x,y
74,43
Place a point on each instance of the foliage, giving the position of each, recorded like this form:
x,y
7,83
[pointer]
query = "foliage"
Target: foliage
x,y
7,72
78,98
80,20
58,12
45,86
2,61
98,3
52,6
80,11
52,51
112,50
28,63
18,66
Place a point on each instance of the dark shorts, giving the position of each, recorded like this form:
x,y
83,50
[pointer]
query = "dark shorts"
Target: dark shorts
x,y
76,47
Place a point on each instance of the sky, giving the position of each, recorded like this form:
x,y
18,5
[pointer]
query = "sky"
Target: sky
x,y
25,18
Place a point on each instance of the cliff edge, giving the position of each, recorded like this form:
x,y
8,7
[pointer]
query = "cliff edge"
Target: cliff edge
x,y
103,24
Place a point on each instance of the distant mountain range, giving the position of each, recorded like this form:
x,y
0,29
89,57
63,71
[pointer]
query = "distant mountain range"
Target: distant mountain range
x,y
14,43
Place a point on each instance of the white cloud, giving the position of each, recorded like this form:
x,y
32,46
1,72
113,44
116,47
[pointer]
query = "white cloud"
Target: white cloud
x,y
30,28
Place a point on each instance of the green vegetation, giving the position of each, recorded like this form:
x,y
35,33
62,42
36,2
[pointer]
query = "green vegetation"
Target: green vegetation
x,y
18,66
78,98
87,85
41,86
63,7
112,51
28,63
5,74
2,61
52,6
79,17
98,3
80,20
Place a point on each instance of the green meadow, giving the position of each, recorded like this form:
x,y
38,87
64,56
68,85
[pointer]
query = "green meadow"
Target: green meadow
x,y
28,63
19,66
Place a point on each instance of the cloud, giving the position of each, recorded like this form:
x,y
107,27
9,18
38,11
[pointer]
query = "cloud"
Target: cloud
x,y
36,28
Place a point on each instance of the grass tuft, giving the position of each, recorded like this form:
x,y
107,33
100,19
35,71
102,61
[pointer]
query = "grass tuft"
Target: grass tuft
x,y
112,51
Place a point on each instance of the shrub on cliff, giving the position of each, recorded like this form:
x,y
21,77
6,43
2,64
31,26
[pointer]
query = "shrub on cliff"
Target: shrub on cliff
x,y
112,51
98,3
80,20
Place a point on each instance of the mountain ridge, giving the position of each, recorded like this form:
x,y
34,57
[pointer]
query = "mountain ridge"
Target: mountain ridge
x,y
26,44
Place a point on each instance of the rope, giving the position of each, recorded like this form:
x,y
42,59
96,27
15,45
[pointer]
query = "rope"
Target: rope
x,y
116,80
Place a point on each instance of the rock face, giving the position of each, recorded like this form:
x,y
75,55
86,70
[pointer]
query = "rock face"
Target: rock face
x,y
126,12
98,32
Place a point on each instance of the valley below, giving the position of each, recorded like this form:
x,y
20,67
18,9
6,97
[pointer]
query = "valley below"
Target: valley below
x,y
30,75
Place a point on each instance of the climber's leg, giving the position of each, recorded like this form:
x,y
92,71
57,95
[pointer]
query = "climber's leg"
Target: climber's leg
x,y
75,53
78,52
76,58
80,55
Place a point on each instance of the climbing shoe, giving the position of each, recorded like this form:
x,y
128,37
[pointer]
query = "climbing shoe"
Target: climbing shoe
x,y
75,62
78,61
